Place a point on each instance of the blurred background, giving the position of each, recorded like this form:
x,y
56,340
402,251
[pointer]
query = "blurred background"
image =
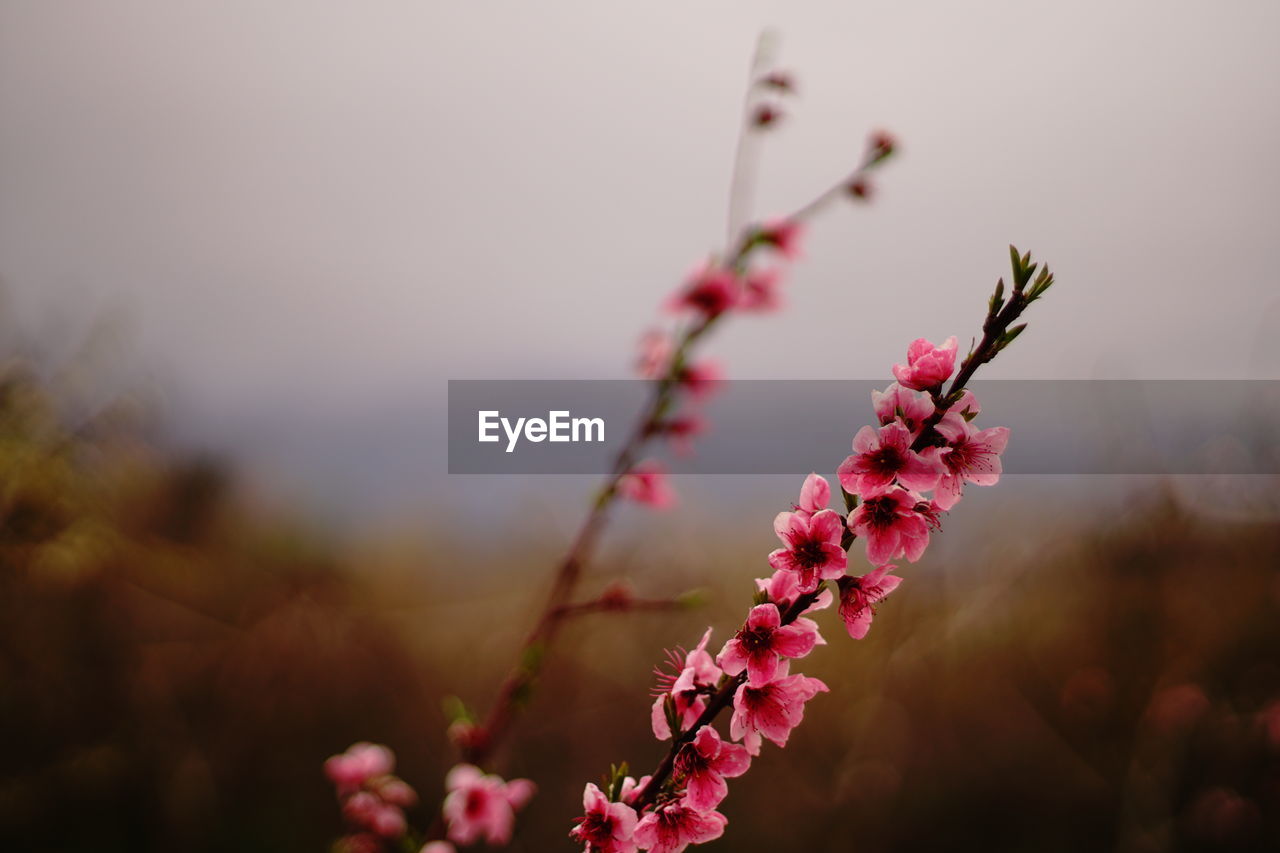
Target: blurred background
x,y
244,245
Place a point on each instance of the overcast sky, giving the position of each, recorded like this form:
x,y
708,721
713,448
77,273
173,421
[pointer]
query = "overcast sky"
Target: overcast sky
x,y
304,210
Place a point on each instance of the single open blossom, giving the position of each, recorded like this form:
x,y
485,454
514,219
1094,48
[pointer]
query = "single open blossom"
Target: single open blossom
x,y
971,455
606,827
684,688
761,290
360,764
705,762
859,596
771,710
911,408
880,458
673,827
481,805
763,641
892,525
710,290
813,549
647,483
784,235
927,366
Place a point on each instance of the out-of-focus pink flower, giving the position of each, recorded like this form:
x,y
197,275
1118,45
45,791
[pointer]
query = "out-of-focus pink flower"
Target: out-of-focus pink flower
x,y
761,291
927,366
813,549
909,407
859,596
763,641
710,290
360,764
673,827
706,761
481,805
681,430
882,144
771,710
368,811
698,670
396,792
970,456
656,349
701,379
647,483
784,235
880,458
605,827
438,847
892,526
766,115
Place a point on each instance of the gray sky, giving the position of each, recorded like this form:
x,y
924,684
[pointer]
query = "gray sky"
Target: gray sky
x,y
307,210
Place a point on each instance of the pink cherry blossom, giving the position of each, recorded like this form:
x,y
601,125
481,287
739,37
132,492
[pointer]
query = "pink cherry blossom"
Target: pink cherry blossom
x,y
763,641
606,827
632,789
481,805
813,549
971,455
647,483
710,290
705,762
783,587
859,596
880,458
673,827
893,526
927,366
784,235
684,687
761,291
438,847
656,349
815,495
909,407
771,710
701,379
360,764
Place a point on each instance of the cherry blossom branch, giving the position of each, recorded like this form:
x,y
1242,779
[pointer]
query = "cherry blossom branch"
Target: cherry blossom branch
x,y
884,485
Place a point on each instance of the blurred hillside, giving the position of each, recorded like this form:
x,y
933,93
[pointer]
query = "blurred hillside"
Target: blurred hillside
x,y
176,661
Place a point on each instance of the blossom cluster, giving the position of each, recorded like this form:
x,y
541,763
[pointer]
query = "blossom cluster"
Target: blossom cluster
x,y
373,800
478,806
925,442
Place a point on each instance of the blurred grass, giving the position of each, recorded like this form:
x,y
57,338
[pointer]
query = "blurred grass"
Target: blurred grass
x,y
175,663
